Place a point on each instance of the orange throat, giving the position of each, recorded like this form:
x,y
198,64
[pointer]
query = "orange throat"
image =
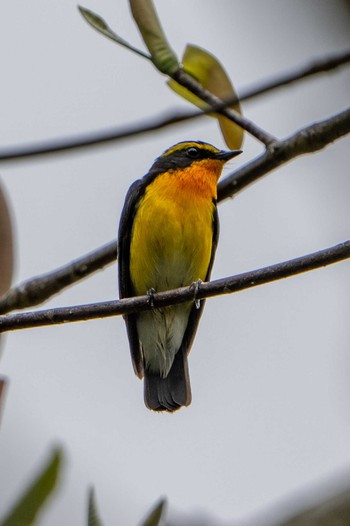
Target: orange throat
x,y
198,180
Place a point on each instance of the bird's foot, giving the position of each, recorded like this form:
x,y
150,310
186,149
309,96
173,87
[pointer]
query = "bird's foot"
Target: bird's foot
x,y
150,294
196,286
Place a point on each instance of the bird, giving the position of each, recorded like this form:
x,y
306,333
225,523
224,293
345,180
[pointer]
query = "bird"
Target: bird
x,y
168,234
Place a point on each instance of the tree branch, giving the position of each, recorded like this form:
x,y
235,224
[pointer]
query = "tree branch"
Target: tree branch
x,y
220,106
309,139
206,290
40,288
323,65
104,137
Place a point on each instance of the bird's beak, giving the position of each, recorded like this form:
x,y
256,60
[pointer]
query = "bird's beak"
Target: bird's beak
x,y
226,156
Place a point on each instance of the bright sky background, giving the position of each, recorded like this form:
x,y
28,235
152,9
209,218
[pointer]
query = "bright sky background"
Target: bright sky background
x,y
269,367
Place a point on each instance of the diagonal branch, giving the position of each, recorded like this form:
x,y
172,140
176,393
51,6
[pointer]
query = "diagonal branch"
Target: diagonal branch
x,y
104,137
220,106
316,67
40,288
206,290
309,139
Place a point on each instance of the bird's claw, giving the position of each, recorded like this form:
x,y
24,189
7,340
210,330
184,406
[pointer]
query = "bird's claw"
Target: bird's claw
x,y
150,294
196,286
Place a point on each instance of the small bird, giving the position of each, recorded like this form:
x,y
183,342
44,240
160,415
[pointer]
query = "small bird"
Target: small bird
x,y
168,235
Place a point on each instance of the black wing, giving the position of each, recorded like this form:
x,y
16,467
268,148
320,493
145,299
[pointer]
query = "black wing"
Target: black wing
x,y
133,196
196,313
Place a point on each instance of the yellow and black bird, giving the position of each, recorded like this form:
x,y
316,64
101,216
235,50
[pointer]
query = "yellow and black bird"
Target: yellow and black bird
x,y
168,235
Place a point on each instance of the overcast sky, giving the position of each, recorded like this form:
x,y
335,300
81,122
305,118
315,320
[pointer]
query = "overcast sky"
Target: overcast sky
x,y
270,366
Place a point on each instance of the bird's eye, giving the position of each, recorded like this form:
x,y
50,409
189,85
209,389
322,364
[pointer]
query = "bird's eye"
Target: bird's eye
x,y
193,153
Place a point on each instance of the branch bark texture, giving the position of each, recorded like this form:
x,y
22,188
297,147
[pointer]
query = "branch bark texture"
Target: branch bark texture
x,y
40,288
206,290
307,140
105,137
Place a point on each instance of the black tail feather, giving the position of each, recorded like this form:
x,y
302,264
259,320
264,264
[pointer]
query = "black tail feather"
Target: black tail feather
x,y
172,392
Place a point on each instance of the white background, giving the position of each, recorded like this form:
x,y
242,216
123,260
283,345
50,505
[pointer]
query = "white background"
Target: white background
x,y
270,366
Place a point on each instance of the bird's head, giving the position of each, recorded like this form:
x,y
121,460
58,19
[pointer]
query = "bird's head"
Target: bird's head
x,y
187,153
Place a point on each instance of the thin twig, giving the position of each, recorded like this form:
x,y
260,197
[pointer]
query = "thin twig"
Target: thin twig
x,y
309,139
104,137
323,65
40,288
220,106
221,286
96,138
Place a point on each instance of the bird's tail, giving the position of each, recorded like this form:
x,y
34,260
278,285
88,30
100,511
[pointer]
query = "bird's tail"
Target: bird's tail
x,y
172,392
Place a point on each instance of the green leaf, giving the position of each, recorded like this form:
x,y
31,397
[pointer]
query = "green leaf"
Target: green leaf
x,y
207,70
162,56
145,16
28,506
101,26
93,516
157,515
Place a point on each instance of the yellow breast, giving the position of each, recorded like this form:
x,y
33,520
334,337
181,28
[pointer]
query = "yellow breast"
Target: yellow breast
x,y
171,240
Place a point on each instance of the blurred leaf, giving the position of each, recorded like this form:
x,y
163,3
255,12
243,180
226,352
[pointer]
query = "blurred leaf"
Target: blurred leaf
x,y
6,245
100,25
207,70
93,516
3,384
331,511
145,16
26,509
157,515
